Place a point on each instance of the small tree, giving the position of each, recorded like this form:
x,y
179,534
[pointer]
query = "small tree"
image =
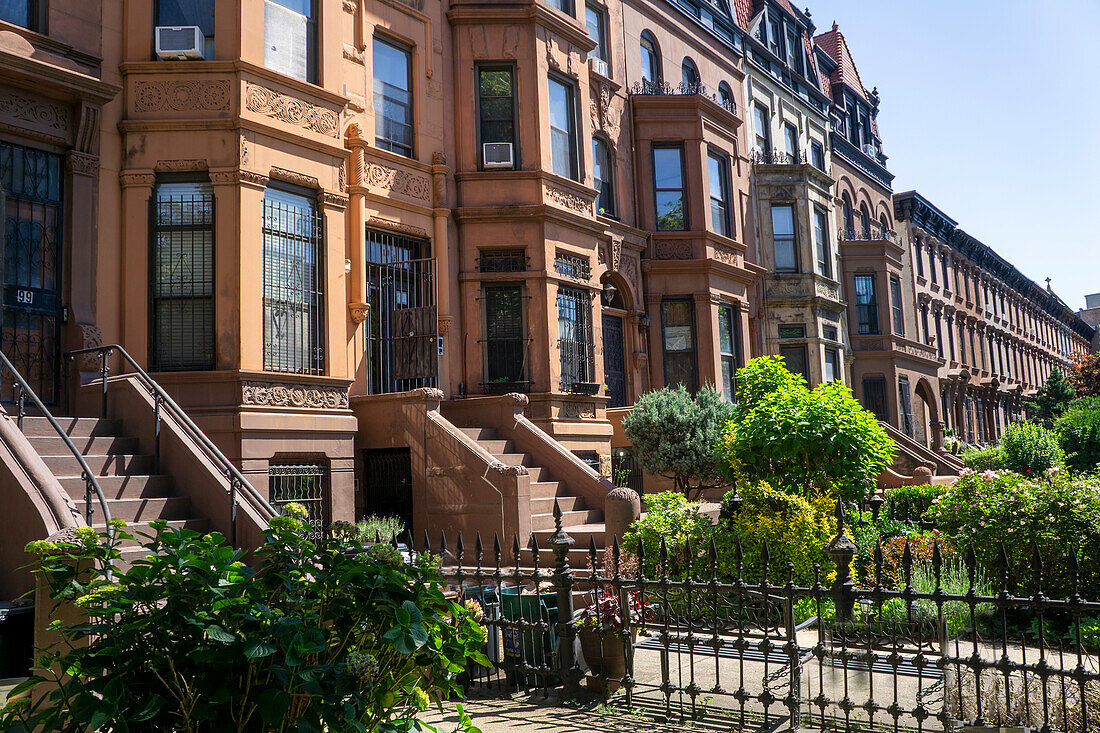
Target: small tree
x,y
674,435
802,440
1084,374
1053,397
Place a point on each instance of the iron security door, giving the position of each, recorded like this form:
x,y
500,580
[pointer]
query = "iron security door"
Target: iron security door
x,y
30,322
388,483
614,365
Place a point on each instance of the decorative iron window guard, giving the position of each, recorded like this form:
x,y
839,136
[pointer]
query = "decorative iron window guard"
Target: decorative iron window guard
x,y
646,88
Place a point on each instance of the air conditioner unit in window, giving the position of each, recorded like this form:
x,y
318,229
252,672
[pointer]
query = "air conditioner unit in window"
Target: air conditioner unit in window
x,y
598,65
497,155
180,42
870,151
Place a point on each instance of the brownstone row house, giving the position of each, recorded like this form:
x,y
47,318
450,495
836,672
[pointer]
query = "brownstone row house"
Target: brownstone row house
x,y
416,258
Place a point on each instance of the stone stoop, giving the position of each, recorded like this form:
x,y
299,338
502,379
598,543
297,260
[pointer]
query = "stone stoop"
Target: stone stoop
x,y
583,523
135,492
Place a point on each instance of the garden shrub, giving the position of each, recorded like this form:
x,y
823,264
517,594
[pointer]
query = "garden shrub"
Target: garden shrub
x,y
318,636
1078,431
910,503
795,527
1057,514
806,441
991,458
672,519
1031,449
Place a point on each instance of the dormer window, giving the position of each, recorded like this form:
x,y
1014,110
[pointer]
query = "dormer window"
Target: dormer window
x,y
775,37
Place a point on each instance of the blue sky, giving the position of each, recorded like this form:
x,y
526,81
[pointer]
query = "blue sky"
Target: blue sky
x,y
992,111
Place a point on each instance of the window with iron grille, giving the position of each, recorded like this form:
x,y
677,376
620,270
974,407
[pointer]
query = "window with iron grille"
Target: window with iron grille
x,y
874,396
505,345
503,260
182,282
293,284
578,356
305,484
573,266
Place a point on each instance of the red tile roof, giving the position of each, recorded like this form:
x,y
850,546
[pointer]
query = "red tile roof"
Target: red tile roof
x,y
743,12
833,43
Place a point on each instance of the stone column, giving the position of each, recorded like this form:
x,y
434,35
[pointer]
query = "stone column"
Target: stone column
x,y
137,189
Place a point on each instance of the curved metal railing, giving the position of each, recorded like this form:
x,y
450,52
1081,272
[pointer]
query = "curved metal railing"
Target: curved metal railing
x,y
237,482
91,484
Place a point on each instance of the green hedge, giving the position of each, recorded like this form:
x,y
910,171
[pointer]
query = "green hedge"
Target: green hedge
x,y
1031,449
1079,434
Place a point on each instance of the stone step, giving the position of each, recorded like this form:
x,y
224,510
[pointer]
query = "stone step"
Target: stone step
x,y
73,426
54,445
545,490
122,487
573,517
150,508
545,505
102,465
478,433
496,446
540,474
513,459
581,534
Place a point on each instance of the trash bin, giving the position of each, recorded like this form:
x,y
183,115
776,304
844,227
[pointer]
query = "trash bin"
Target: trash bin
x,y
525,645
16,638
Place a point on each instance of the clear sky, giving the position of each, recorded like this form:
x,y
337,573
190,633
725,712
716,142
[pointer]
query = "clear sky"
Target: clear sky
x,y
992,111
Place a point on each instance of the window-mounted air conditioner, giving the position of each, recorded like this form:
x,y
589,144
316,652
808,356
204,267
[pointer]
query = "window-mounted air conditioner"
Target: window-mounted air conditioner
x,y
598,65
497,155
870,150
180,42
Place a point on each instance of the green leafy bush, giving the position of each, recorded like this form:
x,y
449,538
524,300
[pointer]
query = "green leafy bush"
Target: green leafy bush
x,y
1078,431
1030,448
991,458
1056,514
674,435
1053,397
796,529
910,503
806,441
677,523
318,636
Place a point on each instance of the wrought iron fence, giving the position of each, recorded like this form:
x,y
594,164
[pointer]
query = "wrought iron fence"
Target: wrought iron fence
x,y
645,87
874,232
777,157
733,642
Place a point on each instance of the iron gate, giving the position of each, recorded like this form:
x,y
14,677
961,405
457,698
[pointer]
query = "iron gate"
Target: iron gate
x,y
305,484
402,334
614,364
30,324
387,483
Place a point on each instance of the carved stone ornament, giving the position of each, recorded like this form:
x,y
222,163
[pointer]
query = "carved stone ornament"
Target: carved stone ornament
x,y
518,398
398,181
300,179
826,290
291,110
506,470
601,254
358,311
181,95
377,222
640,359
569,200
665,249
725,256
191,164
90,337
425,394
616,253
334,199
445,325
44,115
578,410
256,179
350,6
136,179
352,54
278,394
83,163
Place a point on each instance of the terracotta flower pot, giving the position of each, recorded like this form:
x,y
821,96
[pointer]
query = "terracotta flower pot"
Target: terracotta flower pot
x,y
604,660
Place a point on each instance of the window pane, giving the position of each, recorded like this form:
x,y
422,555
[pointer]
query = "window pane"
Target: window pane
x,y
603,171
719,194
874,397
594,19
290,38
783,221
895,304
790,142
783,238
866,304
821,237
832,370
496,106
795,357
679,343
667,169
19,12
169,12
668,185
392,98
562,127
504,344
651,70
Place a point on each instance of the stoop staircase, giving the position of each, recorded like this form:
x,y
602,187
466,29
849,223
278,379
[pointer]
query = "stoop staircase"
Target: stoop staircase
x,y
135,492
583,523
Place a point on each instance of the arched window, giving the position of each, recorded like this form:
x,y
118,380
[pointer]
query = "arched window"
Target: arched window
x,y
846,205
725,96
603,171
689,77
651,59
864,221
884,224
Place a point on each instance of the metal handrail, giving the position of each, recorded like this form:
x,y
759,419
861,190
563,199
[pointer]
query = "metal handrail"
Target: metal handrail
x,y
91,484
237,481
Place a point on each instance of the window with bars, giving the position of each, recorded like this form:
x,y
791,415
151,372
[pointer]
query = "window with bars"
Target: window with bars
x,y
182,277
874,396
504,260
575,343
505,345
293,284
573,266
305,484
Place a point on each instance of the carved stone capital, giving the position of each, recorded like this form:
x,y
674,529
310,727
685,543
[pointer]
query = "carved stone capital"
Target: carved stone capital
x,y
136,179
518,398
82,163
358,311
445,324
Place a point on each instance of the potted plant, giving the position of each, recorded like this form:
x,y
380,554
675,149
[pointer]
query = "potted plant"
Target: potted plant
x,y
600,629
503,385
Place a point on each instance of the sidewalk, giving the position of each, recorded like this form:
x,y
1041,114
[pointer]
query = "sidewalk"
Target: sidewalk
x,y
531,712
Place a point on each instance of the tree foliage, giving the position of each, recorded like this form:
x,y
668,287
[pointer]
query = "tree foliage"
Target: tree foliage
x,y
674,435
802,440
1053,397
1084,374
